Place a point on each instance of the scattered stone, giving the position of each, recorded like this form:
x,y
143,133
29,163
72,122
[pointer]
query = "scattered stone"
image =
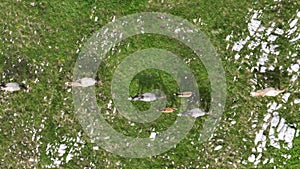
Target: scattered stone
x,y
279,31
95,148
152,136
62,150
265,161
253,25
265,126
275,121
251,158
281,124
218,147
274,143
296,101
293,23
259,137
295,67
285,97
282,132
69,157
289,135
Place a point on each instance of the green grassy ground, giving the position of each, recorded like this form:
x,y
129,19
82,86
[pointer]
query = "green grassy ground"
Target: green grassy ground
x,y
39,46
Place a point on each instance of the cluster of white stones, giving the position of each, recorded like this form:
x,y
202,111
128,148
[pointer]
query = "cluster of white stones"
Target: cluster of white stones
x,y
275,131
61,153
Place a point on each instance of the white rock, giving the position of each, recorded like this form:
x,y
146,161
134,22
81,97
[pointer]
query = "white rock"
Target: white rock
x,y
253,26
218,147
258,157
251,158
265,126
177,30
294,78
113,19
237,56
264,143
269,30
275,113
238,46
252,46
271,131
263,69
295,67
290,145
285,97
259,148
281,124
265,161
286,156
282,132
95,148
263,59
289,135
272,38
267,117
260,29
233,122
263,138
265,48
279,106
259,136
279,31
152,136
271,68
296,101
293,23
255,15
272,107
273,49
292,30
295,39
275,121
62,150
256,162
274,143
69,157
56,162
106,138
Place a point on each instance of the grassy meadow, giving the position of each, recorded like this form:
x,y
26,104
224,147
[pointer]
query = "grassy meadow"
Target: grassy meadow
x,y
41,40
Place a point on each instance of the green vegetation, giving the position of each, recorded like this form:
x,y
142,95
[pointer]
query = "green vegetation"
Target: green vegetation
x,y
39,43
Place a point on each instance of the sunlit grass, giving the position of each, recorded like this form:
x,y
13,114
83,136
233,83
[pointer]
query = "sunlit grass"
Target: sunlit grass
x,y
46,38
